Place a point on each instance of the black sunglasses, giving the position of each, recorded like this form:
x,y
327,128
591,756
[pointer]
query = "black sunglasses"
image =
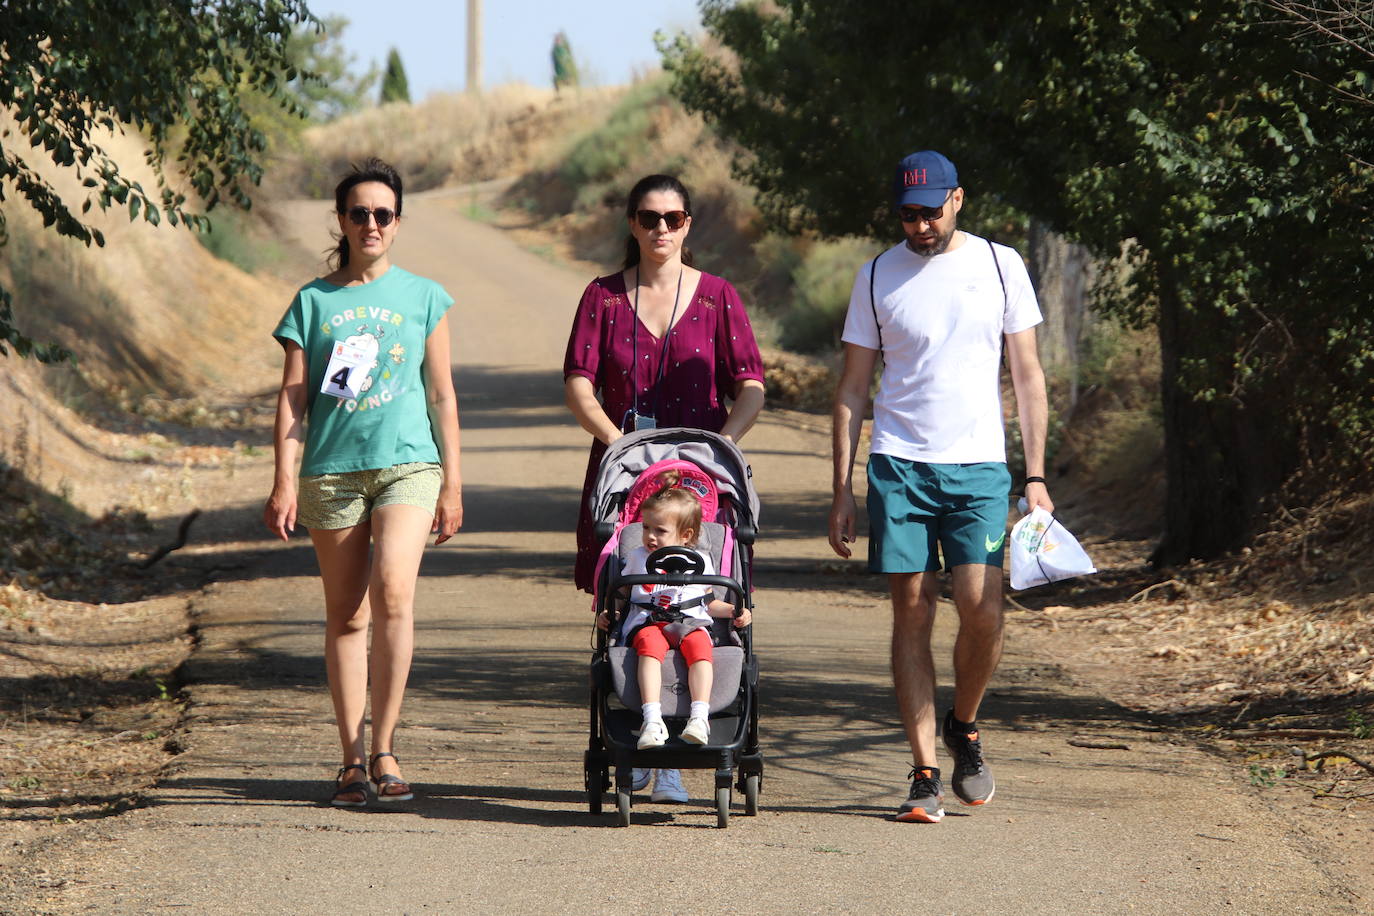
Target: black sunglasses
x,y
674,219
927,214
359,216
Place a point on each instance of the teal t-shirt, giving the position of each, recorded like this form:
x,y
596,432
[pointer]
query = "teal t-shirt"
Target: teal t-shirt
x,y
388,423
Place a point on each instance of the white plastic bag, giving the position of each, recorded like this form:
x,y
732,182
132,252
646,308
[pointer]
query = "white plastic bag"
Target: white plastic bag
x,y
1042,551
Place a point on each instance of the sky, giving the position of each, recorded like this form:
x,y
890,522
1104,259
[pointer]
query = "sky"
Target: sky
x,y
611,40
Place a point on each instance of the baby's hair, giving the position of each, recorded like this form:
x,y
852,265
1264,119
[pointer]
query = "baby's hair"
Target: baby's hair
x,y
680,501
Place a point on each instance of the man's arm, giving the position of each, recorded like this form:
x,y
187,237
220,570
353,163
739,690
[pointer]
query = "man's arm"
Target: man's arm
x,y
1033,407
851,403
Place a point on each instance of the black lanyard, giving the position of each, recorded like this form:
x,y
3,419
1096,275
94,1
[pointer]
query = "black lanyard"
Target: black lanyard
x,y
663,354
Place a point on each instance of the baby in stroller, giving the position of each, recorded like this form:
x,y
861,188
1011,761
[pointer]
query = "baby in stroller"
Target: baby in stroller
x,y
660,617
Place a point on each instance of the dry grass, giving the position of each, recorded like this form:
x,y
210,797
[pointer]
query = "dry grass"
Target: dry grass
x,y
451,138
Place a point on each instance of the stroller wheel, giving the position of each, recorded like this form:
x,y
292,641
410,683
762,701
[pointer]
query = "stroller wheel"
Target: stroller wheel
x,y
723,807
751,794
622,804
595,781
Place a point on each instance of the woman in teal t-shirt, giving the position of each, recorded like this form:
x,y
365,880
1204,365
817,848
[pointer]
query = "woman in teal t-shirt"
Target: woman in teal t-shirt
x,y
368,390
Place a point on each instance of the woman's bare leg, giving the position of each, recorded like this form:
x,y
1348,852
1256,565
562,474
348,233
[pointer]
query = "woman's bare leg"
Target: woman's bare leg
x,y
343,557
399,534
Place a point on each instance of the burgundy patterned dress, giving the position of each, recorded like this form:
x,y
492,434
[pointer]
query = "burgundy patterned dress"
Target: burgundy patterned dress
x,y
711,349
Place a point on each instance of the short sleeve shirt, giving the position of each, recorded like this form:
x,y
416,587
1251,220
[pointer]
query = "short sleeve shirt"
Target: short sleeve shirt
x,y
390,318
662,595
710,349
942,320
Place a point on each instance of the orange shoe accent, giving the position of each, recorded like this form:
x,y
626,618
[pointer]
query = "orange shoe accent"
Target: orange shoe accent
x,y
920,816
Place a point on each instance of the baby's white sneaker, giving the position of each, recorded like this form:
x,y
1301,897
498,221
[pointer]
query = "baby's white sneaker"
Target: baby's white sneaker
x,y
654,734
698,730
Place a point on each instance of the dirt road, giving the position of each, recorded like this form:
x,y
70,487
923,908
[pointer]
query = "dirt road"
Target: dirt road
x,y
495,721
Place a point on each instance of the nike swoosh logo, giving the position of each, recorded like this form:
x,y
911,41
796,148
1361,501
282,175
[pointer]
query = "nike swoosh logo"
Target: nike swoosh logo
x,y
992,545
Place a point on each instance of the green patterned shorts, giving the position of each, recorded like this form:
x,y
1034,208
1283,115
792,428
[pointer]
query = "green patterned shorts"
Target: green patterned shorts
x,y
343,500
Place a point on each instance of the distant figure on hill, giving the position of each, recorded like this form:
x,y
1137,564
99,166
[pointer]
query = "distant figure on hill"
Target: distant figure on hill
x,y
367,393
564,67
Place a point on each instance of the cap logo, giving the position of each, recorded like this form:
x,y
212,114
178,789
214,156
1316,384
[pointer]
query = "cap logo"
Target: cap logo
x,y
914,177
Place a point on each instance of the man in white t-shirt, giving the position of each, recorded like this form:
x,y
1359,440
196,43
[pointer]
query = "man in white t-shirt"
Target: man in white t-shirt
x,y
939,307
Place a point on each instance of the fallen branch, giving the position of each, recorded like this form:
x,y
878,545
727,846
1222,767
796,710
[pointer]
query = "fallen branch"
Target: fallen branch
x,y
1288,733
182,531
1145,592
1323,756
1099,745
1016,604
127,733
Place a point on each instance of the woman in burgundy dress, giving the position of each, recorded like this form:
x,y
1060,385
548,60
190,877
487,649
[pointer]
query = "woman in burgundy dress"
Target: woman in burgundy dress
x,y
662,343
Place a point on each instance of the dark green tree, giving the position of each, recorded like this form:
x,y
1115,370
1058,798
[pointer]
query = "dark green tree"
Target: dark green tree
x,y
172,69
395,86
1200,138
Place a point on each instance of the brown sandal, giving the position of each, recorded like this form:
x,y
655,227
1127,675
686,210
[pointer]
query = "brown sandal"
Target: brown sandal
x,y
356,787
389,788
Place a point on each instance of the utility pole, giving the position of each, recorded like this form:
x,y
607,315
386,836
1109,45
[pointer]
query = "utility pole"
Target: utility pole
x,y
474,83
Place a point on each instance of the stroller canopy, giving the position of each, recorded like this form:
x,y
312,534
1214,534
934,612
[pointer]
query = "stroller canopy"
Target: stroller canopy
x,y
635,452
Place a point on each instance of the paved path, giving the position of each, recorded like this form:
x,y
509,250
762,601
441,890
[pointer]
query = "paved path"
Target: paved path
x,y
495,721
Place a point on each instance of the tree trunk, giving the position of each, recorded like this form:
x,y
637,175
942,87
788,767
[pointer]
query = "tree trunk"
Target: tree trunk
x,y
1224,458
1062,271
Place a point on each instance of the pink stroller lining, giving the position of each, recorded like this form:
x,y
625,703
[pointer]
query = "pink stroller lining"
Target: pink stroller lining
x,y
691,478
649,482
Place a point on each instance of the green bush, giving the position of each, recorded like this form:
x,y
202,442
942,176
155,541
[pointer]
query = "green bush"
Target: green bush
x,y
236,238
822,281
601,155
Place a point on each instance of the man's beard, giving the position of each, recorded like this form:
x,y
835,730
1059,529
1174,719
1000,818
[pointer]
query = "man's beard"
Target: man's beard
x,y
936,246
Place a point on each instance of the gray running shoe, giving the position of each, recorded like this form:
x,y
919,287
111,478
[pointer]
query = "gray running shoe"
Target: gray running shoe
x,y
923,803
972,780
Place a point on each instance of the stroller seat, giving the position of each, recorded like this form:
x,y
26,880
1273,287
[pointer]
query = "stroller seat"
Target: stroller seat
x,y
727,657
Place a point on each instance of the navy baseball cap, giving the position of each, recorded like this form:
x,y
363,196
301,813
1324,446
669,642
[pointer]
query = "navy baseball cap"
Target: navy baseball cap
x,y
924,179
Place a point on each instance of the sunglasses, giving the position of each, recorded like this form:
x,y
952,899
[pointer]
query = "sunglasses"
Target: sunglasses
x,y
925,214
674,219
359,216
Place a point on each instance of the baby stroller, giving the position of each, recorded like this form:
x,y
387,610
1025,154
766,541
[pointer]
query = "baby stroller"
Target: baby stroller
x,y
716,470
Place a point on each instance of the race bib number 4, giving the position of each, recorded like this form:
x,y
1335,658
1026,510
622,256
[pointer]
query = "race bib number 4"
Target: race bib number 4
x,y
347,368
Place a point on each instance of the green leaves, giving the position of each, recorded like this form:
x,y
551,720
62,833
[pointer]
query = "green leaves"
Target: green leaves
x,y
1228,155
72,69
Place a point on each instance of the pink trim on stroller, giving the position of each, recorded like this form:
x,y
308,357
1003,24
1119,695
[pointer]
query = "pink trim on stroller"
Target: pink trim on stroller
x,y
648,483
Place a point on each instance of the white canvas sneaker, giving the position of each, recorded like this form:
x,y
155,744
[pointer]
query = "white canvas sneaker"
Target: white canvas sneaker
x,y
698,730
654,734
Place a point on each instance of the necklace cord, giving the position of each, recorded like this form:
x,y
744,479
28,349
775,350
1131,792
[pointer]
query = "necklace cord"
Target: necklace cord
x,y
663,353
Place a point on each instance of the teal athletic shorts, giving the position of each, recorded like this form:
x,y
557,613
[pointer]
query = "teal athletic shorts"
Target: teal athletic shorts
x,y
328,501
917,510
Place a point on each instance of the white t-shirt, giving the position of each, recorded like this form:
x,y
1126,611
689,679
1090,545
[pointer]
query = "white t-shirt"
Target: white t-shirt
x,y
662,595
942,321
